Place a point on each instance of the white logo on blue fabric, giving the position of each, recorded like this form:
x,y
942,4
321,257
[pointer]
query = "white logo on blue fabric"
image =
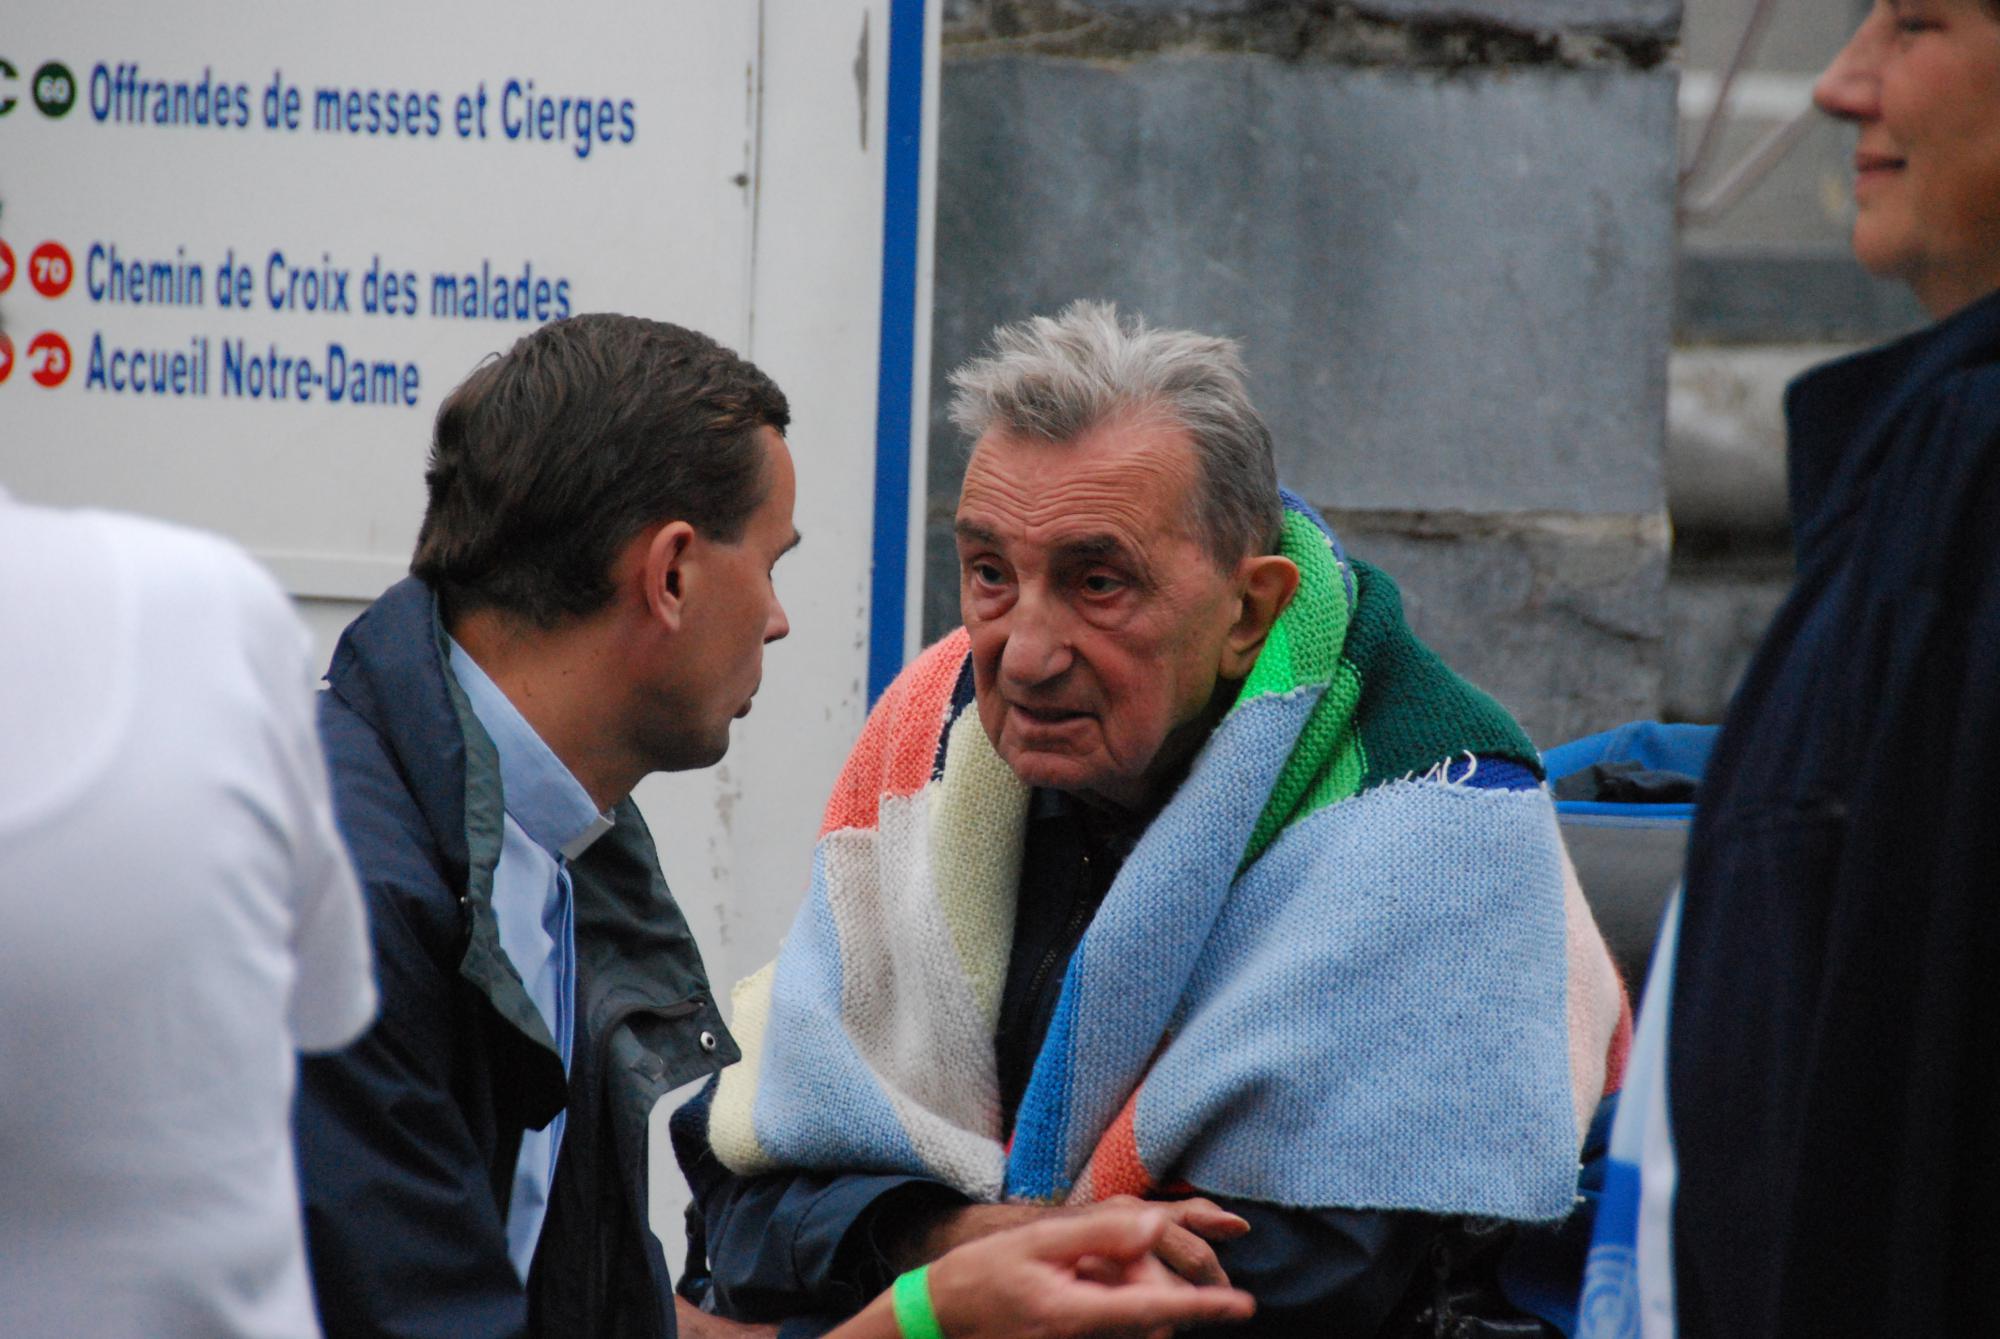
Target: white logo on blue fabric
x,y
1609,1308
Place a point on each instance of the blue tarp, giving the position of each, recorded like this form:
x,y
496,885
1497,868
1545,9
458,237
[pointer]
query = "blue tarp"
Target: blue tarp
x,y
1665,748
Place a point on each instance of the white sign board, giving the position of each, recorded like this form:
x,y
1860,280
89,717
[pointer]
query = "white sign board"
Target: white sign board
x,y
246,248
263,241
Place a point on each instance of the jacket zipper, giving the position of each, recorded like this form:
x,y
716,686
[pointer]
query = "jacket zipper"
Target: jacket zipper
x,y
1072,928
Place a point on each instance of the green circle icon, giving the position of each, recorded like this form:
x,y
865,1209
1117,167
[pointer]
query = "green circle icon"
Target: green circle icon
x,y
55,90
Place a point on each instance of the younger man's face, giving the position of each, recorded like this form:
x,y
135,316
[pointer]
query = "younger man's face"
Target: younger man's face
x,y
732,611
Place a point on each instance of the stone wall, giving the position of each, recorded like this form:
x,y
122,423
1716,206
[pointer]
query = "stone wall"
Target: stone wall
x,y
1443,231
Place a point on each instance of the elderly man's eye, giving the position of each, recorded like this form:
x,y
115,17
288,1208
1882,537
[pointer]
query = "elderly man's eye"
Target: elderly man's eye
x,y
1913,16
989,573
1103,583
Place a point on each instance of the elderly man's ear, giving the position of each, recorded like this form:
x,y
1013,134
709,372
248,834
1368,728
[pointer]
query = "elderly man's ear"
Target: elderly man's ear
x,y
1268,582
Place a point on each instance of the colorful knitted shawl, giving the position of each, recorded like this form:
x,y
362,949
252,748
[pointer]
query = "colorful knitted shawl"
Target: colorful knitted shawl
x,y
1331,973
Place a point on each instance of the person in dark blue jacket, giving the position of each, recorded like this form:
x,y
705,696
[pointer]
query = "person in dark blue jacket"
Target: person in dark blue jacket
x,y
1833,1022
589,602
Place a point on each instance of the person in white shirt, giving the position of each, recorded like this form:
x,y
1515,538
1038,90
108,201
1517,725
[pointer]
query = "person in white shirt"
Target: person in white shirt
x,y
177,917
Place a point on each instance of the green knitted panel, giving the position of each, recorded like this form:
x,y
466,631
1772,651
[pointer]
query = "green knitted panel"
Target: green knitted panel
x,y
1347,758
1414,711
1304,644
1326,764
1276,670
1391,708
1304,648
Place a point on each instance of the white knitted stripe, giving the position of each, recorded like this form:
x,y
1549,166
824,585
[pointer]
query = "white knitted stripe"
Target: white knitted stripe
x,y
906,1003
731,1129
978,810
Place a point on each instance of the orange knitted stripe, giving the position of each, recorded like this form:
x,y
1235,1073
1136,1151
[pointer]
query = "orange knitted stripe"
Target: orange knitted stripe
x,y
1621,1046
1114,1167
899,744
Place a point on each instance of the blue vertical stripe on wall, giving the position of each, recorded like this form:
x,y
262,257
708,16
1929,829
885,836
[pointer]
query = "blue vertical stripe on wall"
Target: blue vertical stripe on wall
x,y
896,388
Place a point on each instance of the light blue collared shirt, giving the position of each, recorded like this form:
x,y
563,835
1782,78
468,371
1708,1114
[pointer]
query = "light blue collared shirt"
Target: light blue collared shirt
x,y
549,821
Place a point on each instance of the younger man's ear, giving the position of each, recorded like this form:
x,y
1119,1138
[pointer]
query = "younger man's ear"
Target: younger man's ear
x,y
663,567
1270,581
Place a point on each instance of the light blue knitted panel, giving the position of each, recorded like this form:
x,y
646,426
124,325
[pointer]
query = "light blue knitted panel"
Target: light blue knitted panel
x,y
825,1109
1131,969
1399,960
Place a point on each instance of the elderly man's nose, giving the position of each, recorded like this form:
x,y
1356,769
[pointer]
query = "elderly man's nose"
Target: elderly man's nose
x,y
1850,86
1037,649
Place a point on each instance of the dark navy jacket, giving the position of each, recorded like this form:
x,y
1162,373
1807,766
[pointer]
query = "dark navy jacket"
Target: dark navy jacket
x,y
1835,1021
407,1140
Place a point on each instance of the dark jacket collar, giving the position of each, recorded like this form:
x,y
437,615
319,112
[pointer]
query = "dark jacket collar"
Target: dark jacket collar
x,y
389,668
634,948
1841,414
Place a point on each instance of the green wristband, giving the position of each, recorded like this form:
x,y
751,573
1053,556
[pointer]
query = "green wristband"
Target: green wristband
x,y
911,1296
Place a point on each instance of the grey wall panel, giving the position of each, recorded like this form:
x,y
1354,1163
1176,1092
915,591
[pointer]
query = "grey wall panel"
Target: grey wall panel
x,y
1453,292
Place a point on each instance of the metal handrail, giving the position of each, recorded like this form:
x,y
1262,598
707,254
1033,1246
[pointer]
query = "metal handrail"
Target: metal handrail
x,y
1744,175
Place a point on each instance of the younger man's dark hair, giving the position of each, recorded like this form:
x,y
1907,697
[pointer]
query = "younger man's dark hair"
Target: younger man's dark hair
x,y
550,458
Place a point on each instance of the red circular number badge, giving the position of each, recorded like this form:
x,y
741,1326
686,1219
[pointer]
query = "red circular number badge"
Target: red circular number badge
x,y
49,269
48,358
6,357
6,267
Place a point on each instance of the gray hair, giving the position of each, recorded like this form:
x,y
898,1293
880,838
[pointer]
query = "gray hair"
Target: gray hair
x,y
1054,379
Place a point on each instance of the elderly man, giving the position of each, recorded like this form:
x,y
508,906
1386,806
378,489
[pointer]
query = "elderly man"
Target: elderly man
x,y
1183,871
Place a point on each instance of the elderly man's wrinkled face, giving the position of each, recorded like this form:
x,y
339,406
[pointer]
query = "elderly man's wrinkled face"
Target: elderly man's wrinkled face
x,y
1100,623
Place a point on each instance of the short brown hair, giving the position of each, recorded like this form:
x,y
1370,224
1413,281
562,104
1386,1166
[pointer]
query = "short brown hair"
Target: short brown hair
x,y
550,458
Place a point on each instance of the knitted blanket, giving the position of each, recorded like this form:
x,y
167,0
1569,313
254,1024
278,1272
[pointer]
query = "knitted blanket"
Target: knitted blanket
x,y
1337,970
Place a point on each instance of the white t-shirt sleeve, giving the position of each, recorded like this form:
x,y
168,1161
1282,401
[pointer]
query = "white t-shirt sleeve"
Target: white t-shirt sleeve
x,y
333,993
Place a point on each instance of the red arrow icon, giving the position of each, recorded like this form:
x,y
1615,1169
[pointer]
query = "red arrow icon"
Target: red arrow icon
x,y
48,358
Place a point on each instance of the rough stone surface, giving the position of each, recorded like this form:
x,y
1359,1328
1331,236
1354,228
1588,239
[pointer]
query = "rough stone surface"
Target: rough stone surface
x,y
1726,440
1716,615
1649,17
1732,539
1449,260
1560,619
1750,296
1452,292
